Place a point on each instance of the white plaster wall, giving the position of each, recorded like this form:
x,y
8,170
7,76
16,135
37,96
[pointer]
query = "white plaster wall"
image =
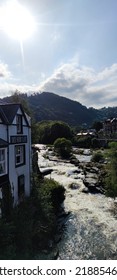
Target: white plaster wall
x,y
14,172
21,170
3,132
20,113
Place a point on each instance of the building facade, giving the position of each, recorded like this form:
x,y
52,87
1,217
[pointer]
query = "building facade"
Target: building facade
x,y
110,127
15,151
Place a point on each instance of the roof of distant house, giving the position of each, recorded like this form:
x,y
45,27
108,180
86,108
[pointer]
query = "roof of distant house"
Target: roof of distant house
x,y
114,120
85,133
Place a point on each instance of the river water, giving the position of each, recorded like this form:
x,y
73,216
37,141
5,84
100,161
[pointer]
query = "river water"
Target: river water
x,y
90,232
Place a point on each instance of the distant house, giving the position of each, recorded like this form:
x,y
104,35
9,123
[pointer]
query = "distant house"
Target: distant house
x,y
110,127
90,133
15,151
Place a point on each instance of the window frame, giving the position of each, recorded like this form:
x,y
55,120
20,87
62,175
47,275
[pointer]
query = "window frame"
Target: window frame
x,y
3,162
20,154
19,123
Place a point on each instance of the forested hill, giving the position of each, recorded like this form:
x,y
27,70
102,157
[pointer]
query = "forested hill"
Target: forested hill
x,y
50,106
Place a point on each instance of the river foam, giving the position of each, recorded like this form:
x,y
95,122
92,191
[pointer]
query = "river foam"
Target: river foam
x,y
91,230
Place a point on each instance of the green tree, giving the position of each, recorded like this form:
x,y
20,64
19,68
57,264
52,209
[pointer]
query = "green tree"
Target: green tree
x,y
111,179
20,98
49,131
97,125
63,147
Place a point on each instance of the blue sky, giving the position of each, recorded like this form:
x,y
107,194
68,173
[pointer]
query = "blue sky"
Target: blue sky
x,y
72,52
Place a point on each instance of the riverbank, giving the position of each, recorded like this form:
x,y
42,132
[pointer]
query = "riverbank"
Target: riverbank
x,y
90,230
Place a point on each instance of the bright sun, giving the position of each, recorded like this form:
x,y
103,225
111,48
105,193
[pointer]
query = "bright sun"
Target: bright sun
x,y
16,20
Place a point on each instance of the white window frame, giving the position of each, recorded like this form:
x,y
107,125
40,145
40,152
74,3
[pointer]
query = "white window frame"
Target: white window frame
x,y
3,161
19,155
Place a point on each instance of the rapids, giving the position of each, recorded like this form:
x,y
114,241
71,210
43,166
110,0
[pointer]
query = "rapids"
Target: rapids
x,y
90,232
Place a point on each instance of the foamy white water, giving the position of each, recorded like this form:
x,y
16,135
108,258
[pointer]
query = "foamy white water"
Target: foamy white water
x,y
91,229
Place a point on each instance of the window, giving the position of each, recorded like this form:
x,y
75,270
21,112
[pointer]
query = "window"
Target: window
x,y
21,187
3,161
19,155
19,124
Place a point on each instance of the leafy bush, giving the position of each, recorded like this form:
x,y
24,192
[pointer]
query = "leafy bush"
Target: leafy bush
x,y
63,147
84,142
52,192
97,157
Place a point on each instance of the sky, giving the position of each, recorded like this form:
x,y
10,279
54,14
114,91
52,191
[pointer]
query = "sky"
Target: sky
x,y
71,51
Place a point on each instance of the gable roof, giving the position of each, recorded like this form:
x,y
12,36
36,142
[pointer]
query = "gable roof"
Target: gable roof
x,y
2,116
9,111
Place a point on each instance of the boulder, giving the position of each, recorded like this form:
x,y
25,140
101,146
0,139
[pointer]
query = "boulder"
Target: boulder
x,y
74,160
93,183
74,186
85,190
46,171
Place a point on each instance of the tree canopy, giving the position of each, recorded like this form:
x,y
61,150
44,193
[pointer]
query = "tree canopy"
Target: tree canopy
x,y
49,131
97,125
63,147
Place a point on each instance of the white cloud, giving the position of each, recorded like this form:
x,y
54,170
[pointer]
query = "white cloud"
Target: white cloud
x,y
7,89
108,72
67,78
4,72
84,84
80,83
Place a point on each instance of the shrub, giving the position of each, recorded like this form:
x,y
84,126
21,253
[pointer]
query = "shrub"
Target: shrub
x,y
84,142
97,157
63,147
48,195
52,192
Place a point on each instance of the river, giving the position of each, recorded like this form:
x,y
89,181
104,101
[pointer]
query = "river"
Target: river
x,y
90,232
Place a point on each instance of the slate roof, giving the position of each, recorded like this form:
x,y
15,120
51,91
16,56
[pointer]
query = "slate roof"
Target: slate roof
x,y
2,116
8,112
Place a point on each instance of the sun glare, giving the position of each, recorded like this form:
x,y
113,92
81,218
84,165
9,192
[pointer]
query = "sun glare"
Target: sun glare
x,y
16,20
